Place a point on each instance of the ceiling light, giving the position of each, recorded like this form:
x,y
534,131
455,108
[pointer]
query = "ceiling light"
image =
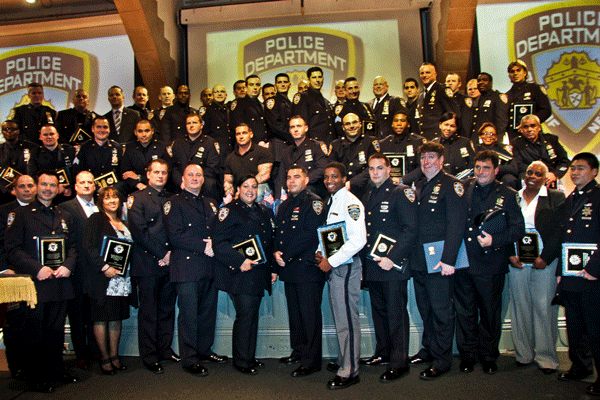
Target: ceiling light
x,y
30,1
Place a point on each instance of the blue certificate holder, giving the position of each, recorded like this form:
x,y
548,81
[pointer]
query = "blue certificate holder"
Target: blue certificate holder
x,y
331,238
575,257
252,249
433,255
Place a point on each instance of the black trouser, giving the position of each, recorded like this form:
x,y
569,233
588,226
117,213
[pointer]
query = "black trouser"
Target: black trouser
x,y
245,328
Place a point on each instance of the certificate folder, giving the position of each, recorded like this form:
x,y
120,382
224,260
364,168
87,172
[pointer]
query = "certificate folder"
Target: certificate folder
x,y
116,252
433,255
252,249
382,247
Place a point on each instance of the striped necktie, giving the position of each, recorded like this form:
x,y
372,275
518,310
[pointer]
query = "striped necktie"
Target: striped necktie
x,y
118,121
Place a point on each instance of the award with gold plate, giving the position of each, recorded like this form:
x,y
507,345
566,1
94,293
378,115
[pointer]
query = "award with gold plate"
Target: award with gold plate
x,y
51,250
115,252
252,249
106,180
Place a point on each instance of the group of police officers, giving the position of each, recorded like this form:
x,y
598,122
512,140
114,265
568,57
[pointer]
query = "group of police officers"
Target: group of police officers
x,y
313,150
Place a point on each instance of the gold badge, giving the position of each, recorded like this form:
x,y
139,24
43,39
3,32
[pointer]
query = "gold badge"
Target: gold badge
x,y
338,109
449,92
270,104
297,98
504,98
233,105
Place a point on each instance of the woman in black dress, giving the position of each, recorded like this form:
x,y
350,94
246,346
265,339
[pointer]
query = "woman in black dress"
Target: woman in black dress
x,y
109,292
244,279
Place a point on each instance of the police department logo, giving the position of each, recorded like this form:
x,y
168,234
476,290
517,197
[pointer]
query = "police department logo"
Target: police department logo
x,y
560,45
526,240
324,149
250,251
119,249
202,111
270,104
338,109
297,98
574,259
354,211
170,150
10,219
382,248
52,247
376,145
449,92
331,236
410,194
223,213
167,207
459,188
469,102
317,206
233,105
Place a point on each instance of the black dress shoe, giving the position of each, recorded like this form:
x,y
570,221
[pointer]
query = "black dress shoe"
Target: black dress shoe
x,y
154,367
393,373
548,371
196,369
341,383
66,379
374,360
573,376
332,367
489,367
304,371
246,370
594,389
416,359
467,366
431,373
44,387
258,364
290,360
215,358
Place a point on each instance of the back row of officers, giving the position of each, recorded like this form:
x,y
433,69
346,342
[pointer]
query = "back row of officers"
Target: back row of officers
x,y
185,247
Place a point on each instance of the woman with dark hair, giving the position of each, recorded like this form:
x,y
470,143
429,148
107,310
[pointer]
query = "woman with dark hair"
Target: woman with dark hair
x,y
239,275
488,140
109,292
458,150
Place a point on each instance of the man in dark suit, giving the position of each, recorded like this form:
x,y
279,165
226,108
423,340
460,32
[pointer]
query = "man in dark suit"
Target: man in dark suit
x,y
78,309
44,335
122,120
434,100
391,211
140,103
150,269
76,119
478,289
31,117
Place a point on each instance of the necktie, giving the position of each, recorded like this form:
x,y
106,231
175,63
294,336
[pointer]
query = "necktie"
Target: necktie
x,y
118,121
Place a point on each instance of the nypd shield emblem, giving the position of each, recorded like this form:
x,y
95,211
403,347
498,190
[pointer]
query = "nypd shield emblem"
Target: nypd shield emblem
x,y
354,211
270,104
317,206
410,194
167,207
10,219
223,213
459,188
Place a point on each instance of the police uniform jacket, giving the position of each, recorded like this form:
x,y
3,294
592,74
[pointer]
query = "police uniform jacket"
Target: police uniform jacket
x,y
157,116
278,111
216,125
413,114
145,217
20,241
189,219
99,160
491,106
581,224
31,118
144,112
458,153
5,209
406,144
137,157
61,157
364,112
547,149
432,104
172,124
317,112
129,119
355,157
442,216
70,121
383,112
16,155
392,211
296,237
236,223
202,151
250,111
528,94
310,154
508,165
493,196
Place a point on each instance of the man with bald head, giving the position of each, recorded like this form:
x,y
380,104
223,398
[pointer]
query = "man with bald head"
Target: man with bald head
x,y
434,100
216,121
76,119
165,97
30,117
384,106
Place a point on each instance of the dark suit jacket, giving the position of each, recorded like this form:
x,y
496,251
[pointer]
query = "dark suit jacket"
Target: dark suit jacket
x,y
129,119
5,209
548,215
74,208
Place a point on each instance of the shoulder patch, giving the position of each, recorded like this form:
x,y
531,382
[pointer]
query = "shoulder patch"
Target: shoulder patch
x,y
167,207
403,103
543,90
410,194
376,145
10,219
202,111
129,202
354,211
270,104
324,149
214,208
223,213
449,92
469,102
217,147
296,98
504,98
317,206
338,109
233,105
170,151
459,188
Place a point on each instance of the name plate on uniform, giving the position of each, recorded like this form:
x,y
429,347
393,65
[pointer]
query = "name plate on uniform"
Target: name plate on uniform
x,y
252,249
519,111
63,178
332,237
528,248
575,257
106,180
8,176
397,162
79,137
433,255
51,251
115,252
382,247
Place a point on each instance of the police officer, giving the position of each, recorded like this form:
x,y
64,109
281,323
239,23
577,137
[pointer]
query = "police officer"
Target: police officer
x,y
314,108
454,82
189,220
434,100
150,269
478,289
391,211
197,148
140,103
411,103
581,294
404,144
172,124
278,109
353,150
249,110
31,117
490,106
295,244
458,150
138,155
216,121
353,105
165,97
533,144
44,335
72,120
442,217
488,140
14,153
384,107
524,98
